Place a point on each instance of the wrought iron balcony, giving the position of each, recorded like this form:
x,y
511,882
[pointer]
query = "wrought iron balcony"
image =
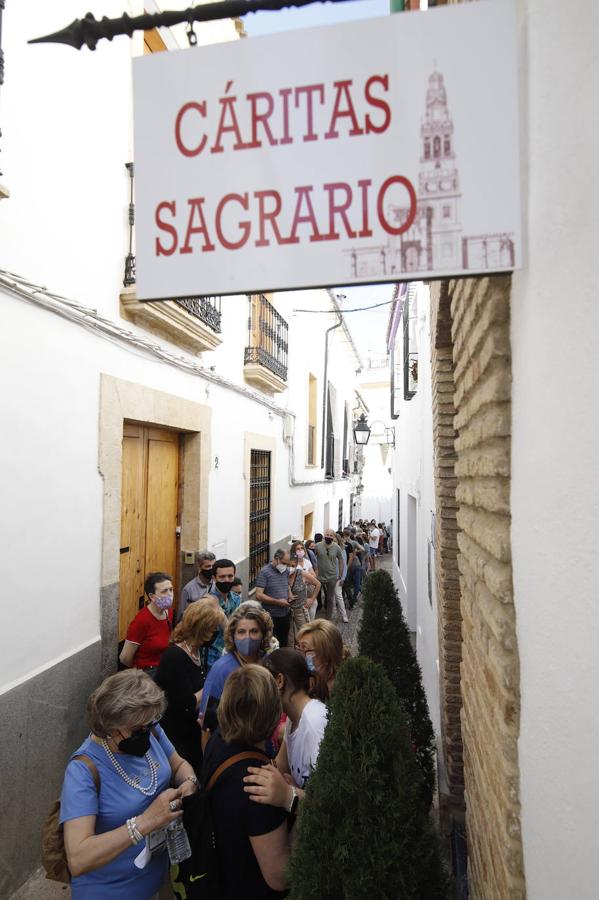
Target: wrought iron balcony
x,y
267,346
207,309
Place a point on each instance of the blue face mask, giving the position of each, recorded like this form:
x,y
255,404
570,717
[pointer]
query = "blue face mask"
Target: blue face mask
x,y
248,646
310,662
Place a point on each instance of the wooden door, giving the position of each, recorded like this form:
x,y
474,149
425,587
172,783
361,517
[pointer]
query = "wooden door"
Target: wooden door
x,y
308,525
149,512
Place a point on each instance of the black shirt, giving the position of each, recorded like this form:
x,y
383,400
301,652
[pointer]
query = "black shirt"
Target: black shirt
x,y
180,678
236,818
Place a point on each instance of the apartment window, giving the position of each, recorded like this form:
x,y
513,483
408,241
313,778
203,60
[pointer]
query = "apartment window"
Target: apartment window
x,y
410,344
259,512
345,444
447,212
312,412
340,517
396,379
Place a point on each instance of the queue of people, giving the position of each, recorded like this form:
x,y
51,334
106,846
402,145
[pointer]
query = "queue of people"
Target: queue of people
x,y
230,677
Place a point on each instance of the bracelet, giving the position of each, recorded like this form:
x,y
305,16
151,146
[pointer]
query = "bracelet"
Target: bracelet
x,y
193,780
134,834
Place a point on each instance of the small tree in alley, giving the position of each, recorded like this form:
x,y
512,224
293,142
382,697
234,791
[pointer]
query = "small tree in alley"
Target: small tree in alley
x,y
363,832
385,638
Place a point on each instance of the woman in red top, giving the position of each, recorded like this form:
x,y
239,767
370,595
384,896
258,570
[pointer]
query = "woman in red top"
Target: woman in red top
x,y
149,633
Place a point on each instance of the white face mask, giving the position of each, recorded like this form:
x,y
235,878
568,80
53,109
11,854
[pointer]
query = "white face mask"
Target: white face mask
x,y
281,568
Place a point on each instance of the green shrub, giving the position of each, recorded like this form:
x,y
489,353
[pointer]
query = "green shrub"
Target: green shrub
x,y
363,832
384,637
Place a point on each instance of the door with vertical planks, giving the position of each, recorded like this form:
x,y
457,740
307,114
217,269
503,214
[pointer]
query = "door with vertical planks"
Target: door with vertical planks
x,y
149,512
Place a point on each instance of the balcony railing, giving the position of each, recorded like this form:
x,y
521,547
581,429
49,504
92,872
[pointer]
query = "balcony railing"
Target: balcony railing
x,y
268,334
205,308
346,467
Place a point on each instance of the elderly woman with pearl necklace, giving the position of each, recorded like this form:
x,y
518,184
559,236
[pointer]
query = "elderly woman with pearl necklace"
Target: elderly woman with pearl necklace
x,y
124,784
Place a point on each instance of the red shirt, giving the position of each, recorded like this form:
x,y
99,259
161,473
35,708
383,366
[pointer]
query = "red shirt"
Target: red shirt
x,y
152,635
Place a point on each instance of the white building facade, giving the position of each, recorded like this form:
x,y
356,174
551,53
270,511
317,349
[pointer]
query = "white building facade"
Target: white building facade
x,y
135,435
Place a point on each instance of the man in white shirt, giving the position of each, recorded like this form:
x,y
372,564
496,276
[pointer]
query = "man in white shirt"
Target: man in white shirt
x,y
373,545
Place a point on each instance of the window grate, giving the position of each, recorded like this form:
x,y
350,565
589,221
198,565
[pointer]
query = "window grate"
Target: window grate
x,y
340,517
259,512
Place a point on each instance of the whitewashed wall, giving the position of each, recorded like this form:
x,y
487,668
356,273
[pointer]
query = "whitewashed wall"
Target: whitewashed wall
x,y
413,477
66,138
555,462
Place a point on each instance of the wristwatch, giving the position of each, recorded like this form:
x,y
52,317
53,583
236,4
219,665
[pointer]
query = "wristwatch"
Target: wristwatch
x,y
294,801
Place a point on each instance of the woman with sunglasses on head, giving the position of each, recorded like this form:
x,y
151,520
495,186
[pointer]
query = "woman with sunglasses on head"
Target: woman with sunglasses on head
x,y
280,784
304,587
124,783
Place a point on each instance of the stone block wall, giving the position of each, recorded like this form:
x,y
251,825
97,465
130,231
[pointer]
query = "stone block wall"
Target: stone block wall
x,y
480,313
446,553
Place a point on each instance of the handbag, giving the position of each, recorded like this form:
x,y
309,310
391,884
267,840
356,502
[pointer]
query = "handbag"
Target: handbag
x,y
54,855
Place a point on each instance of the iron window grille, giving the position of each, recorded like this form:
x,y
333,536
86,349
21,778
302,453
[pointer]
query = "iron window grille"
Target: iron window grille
x,y
340,516
259,512
268,337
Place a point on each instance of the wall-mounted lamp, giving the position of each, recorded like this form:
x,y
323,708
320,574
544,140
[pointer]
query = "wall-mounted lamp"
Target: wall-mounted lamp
x,y
361,431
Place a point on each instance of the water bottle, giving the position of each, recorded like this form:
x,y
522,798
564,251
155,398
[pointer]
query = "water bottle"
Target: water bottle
x,y
177,842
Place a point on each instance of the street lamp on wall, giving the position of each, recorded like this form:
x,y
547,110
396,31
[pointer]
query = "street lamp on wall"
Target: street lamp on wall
x,y
361,431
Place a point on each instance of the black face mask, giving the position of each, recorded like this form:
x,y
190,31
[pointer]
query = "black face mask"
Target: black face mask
x,y
136,745
206,575
212,639
328,540
223,586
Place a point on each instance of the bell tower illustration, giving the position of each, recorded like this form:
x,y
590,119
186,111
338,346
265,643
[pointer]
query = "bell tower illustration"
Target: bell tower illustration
x,y
439,188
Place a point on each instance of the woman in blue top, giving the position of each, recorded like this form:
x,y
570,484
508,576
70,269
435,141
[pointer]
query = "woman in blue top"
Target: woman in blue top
x,y
247,638
109,831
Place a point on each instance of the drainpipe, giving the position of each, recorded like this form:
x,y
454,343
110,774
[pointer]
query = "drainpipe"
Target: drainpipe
x,y
325,388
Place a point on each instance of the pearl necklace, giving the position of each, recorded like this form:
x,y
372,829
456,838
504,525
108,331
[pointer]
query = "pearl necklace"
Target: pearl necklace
x,y
134,782
195,657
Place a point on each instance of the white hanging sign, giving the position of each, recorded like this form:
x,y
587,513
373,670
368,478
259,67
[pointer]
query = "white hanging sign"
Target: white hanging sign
x,y
370,151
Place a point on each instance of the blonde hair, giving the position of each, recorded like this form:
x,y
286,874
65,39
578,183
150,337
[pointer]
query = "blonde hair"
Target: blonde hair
x,y
125,700
249,610
250,706
200,620
329,648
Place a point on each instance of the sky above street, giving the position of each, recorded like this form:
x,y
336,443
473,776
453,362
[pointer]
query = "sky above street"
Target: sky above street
x,y
368,328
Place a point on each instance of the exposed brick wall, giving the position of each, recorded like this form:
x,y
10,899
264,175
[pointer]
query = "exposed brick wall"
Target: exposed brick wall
x,y
490,681
446,548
